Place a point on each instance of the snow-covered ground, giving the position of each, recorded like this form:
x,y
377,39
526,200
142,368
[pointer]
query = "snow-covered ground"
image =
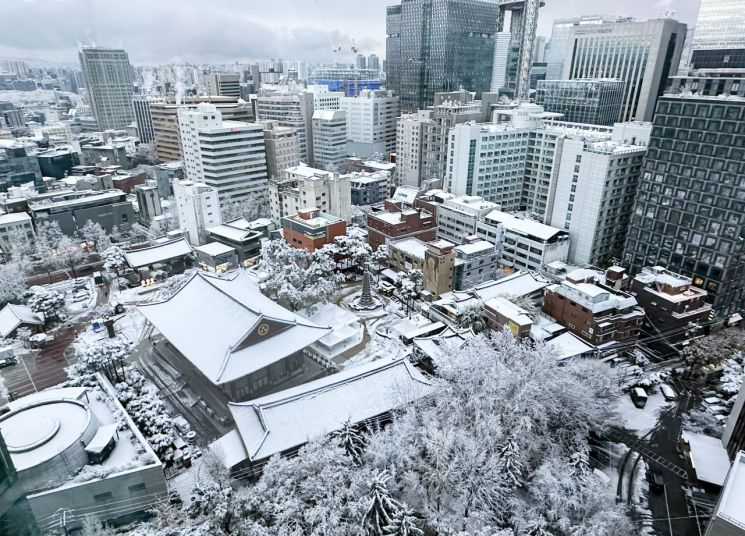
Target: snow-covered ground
x,y
642,421
129,326
80,294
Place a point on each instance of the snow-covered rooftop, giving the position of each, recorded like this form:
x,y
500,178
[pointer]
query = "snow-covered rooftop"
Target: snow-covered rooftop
x,y
474,248
14,217
410,246
236,231
288,419
708,457
509,310
568,345
160,253
241,331
13,316
523,226
513,286
733,495
47,434
406,194
432,346
214,249
595,298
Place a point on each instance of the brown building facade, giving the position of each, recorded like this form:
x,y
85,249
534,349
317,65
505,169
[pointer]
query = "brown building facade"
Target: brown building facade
x,y
669,299
398,221
597,313
311,229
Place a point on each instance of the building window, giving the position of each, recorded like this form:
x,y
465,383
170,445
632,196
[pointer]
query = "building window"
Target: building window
x,y
101,497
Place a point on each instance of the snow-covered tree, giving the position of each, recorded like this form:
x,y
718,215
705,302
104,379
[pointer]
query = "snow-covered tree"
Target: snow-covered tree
x,y
524,302
380,255
472,316
20,248
351,440
69,255
382,507
359,214
46,246
105,355
409,285
46,301
92,526
23,335
404,523
94,236
353,249
295,277
113,259
501,409
713,349
254,207
12,284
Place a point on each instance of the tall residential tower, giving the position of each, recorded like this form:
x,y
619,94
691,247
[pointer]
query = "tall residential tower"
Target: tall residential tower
x,y
108,79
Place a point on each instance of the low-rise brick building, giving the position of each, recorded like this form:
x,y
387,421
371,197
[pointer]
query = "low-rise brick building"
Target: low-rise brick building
x,y
399,221
669,299
597,313
312,229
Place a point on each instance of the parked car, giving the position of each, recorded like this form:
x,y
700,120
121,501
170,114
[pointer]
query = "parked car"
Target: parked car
x,y
668,392
174,498
8,362
639,397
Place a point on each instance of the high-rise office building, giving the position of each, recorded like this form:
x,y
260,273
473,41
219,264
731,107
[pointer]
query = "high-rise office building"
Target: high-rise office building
x,y
16,517
422,138
643,54
108,80
719,38
373,62
439,45
165,120
560,35
282,148
595,190
371,122
144,118
690,209
289,109
329,139
227,155
590,101
501,56
361,61
223,84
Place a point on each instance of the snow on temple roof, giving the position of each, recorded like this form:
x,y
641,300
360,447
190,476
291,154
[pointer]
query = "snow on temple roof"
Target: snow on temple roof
x,y
288,419
13,316
708,458
432,345
240,332
159,253
731,501
234,232
215,248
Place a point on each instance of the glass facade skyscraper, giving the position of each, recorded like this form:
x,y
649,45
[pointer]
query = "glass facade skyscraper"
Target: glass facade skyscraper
x,y
589,101
439,45
719,39
108,80
690,209
642,53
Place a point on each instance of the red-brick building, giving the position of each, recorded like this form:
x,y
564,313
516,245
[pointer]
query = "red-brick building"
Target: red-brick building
x,y
597,313
311,229
399,221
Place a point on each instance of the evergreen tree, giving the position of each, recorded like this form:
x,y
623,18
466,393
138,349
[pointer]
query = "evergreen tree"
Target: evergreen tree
x,y
404,523
351,441
382,507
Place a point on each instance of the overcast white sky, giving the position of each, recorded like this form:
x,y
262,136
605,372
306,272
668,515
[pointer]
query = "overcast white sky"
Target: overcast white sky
x,y
159,31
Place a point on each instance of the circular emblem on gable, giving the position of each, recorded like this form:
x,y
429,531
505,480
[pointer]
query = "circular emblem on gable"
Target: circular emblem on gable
x,y
263,329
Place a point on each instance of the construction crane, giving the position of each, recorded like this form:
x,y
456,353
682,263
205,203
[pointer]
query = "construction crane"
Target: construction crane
x,y
334,47
530,26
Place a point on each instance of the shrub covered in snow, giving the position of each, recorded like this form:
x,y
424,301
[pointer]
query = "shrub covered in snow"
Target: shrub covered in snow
x,y
46,301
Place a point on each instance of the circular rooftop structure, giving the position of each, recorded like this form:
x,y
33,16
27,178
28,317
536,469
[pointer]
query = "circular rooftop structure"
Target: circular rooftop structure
x,y
46,438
